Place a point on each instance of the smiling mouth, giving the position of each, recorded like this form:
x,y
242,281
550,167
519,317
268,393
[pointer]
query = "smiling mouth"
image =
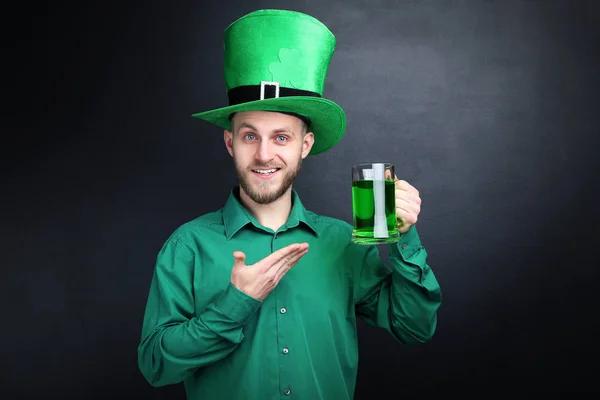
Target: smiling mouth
x,y
266,172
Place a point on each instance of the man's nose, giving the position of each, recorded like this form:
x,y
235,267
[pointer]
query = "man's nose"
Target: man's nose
x,y
264,152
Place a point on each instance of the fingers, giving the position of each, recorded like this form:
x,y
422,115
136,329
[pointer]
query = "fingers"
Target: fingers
x,y
408,203
287,263
405,217
411,205
289,258
407,197
402,185
407,209
239,257
280,254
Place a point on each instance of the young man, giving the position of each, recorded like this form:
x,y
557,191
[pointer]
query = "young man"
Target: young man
x,y
259,300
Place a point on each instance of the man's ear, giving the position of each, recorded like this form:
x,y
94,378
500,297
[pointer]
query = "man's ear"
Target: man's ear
x,y
307,143
228,137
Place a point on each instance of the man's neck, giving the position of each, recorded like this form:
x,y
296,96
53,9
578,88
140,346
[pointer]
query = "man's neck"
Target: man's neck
x,y
272,215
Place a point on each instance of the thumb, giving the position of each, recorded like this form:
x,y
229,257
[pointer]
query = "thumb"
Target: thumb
x,y
239,258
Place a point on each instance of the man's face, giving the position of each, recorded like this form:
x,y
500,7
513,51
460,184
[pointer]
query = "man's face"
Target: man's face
x,y
268,149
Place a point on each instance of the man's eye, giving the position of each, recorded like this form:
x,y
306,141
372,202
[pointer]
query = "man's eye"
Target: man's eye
x,y
281,138
249,136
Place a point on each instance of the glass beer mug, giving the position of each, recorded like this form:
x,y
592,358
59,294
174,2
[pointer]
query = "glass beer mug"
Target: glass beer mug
x,y
374,204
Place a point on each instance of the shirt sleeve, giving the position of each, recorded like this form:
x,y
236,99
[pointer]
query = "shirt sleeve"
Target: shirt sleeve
x,y
175,339
403,299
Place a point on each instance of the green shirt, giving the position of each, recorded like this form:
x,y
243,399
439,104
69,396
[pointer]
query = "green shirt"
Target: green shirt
x,y
300,342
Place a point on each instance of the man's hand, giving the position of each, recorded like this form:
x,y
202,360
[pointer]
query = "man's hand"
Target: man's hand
x,y
408,205
259,279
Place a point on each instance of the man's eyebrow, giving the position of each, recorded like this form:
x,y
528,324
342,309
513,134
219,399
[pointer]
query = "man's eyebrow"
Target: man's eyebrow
x,y
246,125
284,129
279,130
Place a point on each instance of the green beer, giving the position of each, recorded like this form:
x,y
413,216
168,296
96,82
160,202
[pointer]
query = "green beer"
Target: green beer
x,y
364,212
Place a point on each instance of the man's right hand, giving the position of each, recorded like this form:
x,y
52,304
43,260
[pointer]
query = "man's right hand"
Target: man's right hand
x,y
259,279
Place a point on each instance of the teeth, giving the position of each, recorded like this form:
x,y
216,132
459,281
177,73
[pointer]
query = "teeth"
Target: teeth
x,y
265,171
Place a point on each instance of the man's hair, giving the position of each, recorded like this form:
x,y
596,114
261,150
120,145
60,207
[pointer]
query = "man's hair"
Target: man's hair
x,y
305,126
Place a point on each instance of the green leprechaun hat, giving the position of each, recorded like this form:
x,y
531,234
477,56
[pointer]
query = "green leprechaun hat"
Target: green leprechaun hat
x,y
277,60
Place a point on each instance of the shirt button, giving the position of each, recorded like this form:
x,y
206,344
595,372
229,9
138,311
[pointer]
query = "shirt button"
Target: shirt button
x,y
287,392
404,245
285,350
283,310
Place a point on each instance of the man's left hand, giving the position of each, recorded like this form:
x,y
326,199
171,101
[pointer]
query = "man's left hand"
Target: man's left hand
x,y
408,205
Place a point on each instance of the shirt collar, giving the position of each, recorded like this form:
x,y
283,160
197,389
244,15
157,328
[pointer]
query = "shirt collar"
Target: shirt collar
x,y
236,216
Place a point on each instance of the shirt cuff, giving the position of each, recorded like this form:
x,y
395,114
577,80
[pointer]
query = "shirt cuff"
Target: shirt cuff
x,y
237,305
408,245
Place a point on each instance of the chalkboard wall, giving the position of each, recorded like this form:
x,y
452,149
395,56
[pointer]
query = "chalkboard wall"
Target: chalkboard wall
x,y
490,108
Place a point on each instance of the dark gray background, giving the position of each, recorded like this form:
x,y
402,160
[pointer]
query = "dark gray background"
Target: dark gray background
x,y
490,108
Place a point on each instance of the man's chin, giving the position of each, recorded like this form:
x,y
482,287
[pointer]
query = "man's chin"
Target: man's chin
x,y
264,196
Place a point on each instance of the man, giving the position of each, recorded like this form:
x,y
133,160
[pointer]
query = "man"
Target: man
x,y
259,300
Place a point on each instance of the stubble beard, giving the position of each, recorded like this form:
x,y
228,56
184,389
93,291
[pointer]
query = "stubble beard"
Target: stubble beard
x,y
266,192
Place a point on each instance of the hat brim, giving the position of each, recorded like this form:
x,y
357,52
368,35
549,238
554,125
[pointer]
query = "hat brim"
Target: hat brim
x,y
328,120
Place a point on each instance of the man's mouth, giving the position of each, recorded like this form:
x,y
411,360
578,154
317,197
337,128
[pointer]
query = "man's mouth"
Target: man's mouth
x,y
265,172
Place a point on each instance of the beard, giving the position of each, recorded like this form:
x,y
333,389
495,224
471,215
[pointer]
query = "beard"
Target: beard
x,y
266,192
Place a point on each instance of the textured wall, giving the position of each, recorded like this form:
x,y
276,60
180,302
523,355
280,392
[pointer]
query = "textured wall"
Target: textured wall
x,y
490,108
